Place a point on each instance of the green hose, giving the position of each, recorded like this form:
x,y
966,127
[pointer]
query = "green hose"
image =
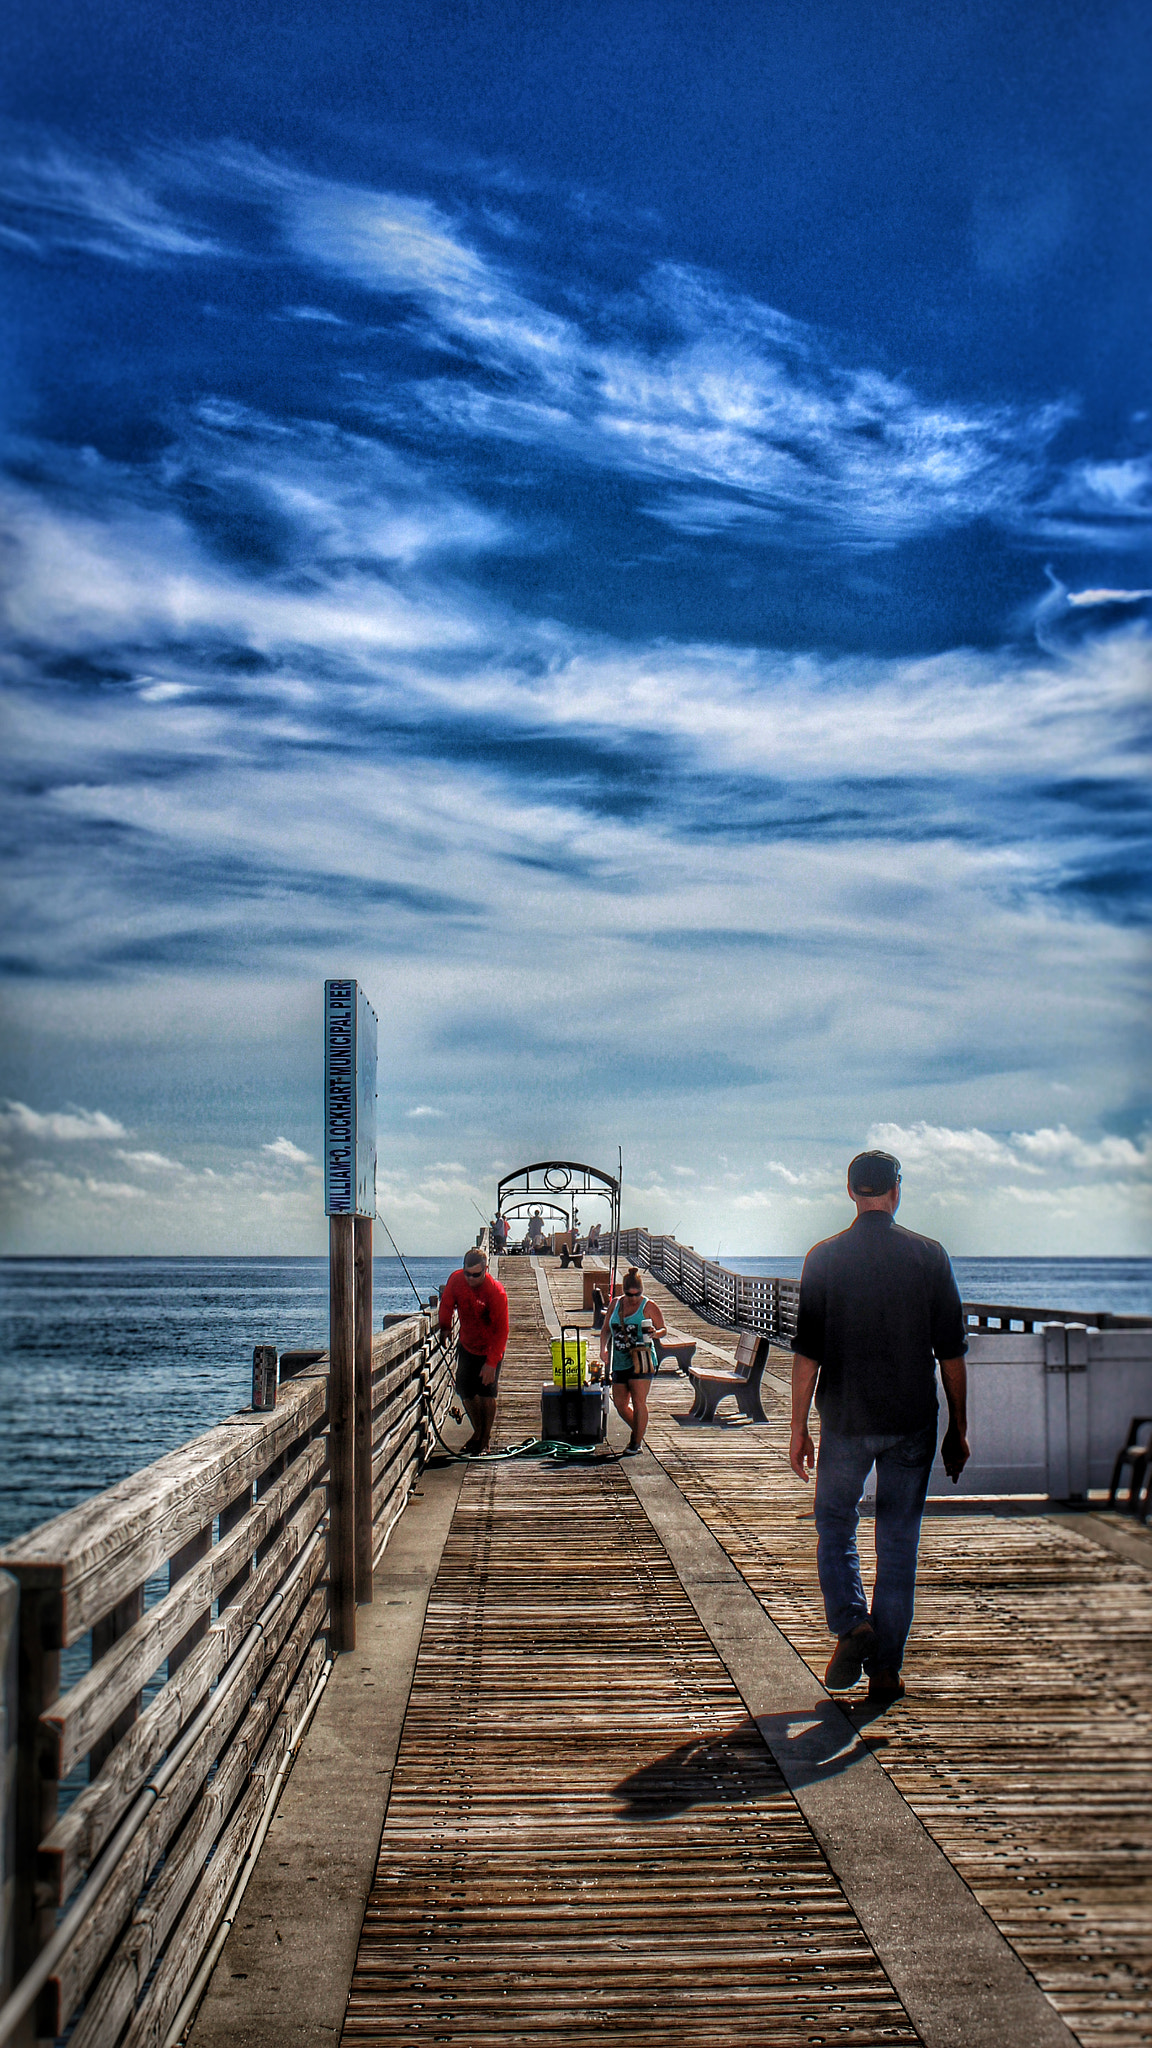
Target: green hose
x,y
532,1447
560,1452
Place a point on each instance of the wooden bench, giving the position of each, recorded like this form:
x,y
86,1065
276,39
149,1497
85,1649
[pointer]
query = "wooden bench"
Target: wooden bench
x,y
596,1277
682,1350
710,1384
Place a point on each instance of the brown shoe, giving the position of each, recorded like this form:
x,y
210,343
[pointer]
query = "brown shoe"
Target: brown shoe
x,y
886,1685
847,1661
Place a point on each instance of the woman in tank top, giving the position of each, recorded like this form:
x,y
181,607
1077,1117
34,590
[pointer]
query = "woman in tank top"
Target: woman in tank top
x,y
633,1354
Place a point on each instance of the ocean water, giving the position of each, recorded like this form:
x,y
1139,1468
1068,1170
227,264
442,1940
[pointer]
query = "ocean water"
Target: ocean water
x,y
1121,1286
107,1363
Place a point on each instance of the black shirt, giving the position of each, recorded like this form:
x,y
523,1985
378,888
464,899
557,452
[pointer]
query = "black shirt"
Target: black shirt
x,y
878,1306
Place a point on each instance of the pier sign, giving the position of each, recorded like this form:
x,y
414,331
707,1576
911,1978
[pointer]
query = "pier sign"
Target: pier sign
x,y
349,1101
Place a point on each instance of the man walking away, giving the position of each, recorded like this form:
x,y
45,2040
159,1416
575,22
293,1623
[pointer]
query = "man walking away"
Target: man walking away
x,y
482,1307
878,1306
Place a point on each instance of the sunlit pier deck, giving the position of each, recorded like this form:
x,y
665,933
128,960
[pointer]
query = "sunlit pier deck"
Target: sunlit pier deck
x,y
617,1801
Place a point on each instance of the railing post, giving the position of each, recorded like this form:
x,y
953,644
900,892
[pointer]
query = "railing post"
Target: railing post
x,y
342,1432
9,1658
181,1562
1076,1340
105,1633
232,1512
362,1258
38,1685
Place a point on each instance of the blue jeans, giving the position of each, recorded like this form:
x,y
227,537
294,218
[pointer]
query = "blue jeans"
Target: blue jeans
x,y
903,1464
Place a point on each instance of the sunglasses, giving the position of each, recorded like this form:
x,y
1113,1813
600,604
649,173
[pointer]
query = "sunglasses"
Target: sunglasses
x,y
633,1293
474,1272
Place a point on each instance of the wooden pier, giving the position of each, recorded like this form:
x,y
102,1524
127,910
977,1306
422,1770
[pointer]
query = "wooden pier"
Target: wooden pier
x,y
621,1804
579,1777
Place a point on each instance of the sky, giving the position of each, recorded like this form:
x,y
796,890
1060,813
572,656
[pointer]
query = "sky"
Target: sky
x,y
627,529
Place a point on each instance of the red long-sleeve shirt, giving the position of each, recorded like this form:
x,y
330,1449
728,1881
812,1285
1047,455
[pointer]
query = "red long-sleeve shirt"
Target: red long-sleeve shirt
x,y
483,1313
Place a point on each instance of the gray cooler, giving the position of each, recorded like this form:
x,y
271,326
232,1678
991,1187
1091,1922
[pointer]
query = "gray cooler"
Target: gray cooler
x,y
574,1415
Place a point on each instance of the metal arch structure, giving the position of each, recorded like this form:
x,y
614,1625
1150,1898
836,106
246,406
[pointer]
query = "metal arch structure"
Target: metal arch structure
x,y
545,1179
532,1202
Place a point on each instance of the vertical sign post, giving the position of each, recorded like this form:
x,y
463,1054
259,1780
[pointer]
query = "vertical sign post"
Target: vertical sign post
x,y
350,1203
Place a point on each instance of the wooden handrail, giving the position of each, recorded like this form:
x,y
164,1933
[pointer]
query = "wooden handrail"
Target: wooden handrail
x,y
768,1303
240,1517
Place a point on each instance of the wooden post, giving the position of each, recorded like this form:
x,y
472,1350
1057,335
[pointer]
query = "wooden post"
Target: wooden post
x,y
362,1238
38,1685
9,1712
232,1512
105,1633
179,1563
265,1481
342,1431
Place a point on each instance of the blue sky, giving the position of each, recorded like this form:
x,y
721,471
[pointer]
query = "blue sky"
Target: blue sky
x,y
627,529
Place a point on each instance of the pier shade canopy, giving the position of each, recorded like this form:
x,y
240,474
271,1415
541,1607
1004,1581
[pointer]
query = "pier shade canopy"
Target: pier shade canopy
x,y
554,1184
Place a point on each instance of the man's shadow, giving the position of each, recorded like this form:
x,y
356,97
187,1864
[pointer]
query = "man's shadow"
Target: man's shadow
x,y
749,1761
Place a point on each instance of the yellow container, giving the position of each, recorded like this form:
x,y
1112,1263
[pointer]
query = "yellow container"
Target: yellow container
x,y
569,1361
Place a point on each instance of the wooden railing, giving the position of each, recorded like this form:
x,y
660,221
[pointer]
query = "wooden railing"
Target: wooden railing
x,y
742,1301
761,1302
985,1315
203,1586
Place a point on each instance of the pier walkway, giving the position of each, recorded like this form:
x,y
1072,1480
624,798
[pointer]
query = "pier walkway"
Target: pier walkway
x,y
616,1800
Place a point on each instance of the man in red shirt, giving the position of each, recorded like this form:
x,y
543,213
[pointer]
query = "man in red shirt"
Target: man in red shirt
x,y
482,1306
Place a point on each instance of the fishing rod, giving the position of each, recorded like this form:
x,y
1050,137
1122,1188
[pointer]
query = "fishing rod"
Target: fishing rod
x,y
616,1241
532,1446
400,1256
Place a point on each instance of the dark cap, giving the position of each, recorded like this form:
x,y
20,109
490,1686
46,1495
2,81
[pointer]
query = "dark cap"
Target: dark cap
x,y
873,1173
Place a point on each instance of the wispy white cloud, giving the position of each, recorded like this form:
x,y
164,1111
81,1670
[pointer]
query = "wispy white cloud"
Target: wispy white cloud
x,y
56,198
70,1125
976,1155
1120,487
129,569
292,1155
1097,597
805,1177
321,314
1103,504
255,701
738,398
741,397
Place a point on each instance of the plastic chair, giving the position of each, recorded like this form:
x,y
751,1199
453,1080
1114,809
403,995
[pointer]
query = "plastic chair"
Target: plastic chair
x,y
1137,1456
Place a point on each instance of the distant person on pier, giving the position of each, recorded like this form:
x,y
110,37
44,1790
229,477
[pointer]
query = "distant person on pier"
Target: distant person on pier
x,y
482,1308
593,1242
500,1233
625,1340
878,1307
535,1231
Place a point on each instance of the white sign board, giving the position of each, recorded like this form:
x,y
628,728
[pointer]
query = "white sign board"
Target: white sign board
x,y
349,1101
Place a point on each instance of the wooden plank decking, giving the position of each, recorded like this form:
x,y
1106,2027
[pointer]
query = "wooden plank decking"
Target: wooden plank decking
x,y
586,1833
1024,1744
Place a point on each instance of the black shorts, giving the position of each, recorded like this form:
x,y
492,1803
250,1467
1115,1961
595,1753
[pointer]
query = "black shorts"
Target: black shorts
x,y
469,1365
